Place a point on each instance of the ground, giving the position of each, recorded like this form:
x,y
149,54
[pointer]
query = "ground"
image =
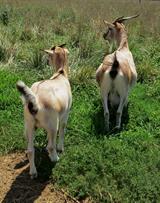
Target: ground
x,y
16,185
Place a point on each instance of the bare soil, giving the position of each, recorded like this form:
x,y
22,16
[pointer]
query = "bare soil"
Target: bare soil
x,y
16,185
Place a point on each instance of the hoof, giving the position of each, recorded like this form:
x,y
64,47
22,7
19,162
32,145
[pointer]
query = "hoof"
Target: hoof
x,y
117,127
54,158
60,149
33,175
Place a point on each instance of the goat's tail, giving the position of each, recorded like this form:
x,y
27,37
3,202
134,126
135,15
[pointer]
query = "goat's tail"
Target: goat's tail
x,y
29,97
114,70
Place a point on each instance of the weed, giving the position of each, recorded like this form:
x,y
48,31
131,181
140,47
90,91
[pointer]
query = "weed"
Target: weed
x,y
4,17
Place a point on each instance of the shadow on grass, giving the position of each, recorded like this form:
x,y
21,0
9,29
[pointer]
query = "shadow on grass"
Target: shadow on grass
x,y
99,124
23,189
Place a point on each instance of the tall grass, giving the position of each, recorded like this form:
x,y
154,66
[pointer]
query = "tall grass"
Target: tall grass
x,y
115,167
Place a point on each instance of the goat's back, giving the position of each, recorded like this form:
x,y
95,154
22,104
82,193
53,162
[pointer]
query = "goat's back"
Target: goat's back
x,y
53,94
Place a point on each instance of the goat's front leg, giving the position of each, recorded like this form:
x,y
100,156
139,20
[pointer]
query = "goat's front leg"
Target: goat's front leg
x,y
119,112
29,131
51,147
106,112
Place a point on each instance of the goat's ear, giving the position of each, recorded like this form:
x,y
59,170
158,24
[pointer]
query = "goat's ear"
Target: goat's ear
x,y
66,50
110,25
57,50
48,51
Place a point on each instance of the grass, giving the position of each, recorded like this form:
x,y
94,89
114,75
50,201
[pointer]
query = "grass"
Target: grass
x,y
121,166
118,167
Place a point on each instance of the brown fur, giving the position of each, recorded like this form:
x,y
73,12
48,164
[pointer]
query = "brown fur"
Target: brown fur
x,y
106,65
126,71
57,105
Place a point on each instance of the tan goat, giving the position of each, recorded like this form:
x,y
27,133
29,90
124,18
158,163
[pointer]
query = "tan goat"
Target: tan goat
x,y
117,74
47,104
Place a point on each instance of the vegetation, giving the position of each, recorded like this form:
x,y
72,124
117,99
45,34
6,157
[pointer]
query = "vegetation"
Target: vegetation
x,y
121,166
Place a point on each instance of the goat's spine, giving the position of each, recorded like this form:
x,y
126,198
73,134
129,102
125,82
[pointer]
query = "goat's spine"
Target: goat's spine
x,y
28,96
114,70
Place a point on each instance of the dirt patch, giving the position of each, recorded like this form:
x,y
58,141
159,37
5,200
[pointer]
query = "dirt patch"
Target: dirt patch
x,y
16,185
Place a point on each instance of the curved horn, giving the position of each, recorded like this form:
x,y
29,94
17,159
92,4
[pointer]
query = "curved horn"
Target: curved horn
x,y
121,19
118,19
130,17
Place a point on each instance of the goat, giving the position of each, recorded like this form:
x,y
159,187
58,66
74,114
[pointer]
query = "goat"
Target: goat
x,y
117,74
47,104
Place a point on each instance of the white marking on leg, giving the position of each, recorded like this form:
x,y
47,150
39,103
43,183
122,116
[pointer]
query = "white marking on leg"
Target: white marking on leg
x,y
29,131
106,112
119,112
60,146
62,127
51,147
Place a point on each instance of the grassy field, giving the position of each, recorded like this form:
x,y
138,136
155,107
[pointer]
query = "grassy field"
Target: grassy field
x,y
119,166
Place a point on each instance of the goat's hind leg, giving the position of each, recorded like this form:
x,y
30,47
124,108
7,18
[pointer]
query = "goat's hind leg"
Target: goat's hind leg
x,y
106,112
29,133
51,147
62,127
123,101
52,129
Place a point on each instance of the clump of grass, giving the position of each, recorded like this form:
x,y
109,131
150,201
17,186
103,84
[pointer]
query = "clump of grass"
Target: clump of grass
x,y
26,35
7,51
10,114
5,15
2,53
37,60
4,18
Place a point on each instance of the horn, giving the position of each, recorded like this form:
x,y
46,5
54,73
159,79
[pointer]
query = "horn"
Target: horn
x,y
121,19
118,19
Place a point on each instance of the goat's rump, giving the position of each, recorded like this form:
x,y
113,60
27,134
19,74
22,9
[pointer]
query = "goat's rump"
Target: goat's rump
x,y
53,94
114,69
115,63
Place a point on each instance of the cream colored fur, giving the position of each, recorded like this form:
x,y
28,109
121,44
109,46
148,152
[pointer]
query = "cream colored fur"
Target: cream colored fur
x,y
116,90
52,99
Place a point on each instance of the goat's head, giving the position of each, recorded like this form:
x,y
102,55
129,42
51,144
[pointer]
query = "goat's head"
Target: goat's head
x,y
57,56
114,28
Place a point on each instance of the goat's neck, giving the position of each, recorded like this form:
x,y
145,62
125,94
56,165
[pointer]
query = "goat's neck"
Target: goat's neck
x,y
122,40
62,65
59,65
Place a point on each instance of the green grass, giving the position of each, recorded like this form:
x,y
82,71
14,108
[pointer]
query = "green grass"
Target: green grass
x,y
120,166
124,165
